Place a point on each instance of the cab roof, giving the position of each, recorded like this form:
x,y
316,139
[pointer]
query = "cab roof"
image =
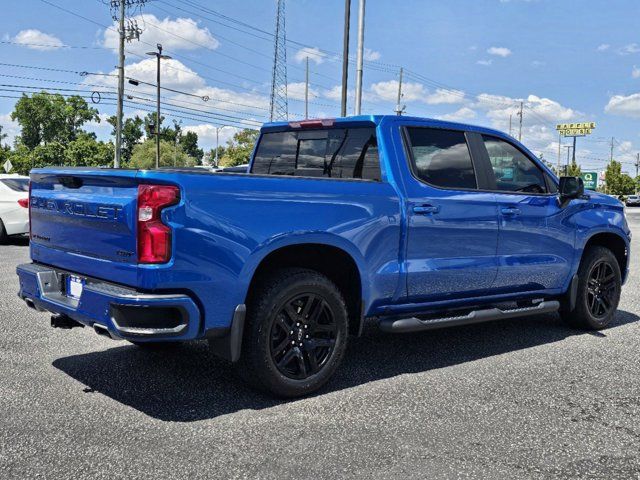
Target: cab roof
x,y
375,120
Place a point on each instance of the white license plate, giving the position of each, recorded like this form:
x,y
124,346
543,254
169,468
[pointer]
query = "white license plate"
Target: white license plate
x,y
74,286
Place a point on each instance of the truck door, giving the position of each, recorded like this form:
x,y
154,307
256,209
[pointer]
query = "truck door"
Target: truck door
x,y
535,243
452,226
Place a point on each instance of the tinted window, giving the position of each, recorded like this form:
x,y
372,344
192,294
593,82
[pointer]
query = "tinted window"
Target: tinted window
x,y
17,184
441,158
514,171
334,153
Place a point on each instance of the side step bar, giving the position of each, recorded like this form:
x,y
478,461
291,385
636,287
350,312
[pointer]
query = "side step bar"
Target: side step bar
x,y
407,325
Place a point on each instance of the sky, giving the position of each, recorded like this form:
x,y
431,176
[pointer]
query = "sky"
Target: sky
x,y
472,61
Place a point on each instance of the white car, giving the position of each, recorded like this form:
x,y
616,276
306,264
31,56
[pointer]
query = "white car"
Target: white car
x,y
14,206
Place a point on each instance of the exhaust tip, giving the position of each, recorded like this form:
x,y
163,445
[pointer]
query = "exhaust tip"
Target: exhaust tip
x,y
103,331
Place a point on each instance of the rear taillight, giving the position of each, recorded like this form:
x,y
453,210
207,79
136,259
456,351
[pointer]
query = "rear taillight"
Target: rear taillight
x,y
24,202
154,237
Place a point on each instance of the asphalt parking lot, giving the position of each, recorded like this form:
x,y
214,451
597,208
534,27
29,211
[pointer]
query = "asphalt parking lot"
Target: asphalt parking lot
x,y
514,399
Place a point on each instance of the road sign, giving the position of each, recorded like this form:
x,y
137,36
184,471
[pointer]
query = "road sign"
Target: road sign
x,y
7,166
575,129
590,180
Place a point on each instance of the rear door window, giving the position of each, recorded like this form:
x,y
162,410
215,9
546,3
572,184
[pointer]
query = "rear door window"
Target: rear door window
x,y
441,158
332,153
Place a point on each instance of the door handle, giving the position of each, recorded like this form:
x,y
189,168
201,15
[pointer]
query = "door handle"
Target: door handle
x,y
511,211
425,209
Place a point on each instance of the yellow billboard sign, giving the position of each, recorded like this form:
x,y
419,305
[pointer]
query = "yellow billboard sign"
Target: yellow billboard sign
x,y
575,129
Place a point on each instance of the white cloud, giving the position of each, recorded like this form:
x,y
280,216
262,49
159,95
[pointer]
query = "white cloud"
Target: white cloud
x,y
37,40
296,91
444,97
540,116
625,106
207,134
603,47
9,127
178,34
314,54
635,72
388,91
629,49
463,114
335,93
485,63
538,63
371,55
499,51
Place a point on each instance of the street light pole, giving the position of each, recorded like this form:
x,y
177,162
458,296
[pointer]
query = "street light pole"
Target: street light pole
x,y
158,56
359,57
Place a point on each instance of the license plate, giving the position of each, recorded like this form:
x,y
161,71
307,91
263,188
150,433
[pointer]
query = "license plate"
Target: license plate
x,y
74,286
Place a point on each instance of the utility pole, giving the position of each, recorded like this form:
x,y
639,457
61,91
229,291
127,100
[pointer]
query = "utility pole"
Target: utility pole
x,y
345,57
559,151
574,150
520,114
116,160
360,57
129,32
306,90
217,146
399,107
611,155
159,57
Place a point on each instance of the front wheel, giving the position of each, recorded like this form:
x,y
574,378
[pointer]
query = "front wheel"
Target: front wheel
x,y
599,288
296,333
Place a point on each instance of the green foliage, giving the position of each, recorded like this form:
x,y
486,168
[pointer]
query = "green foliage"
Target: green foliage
x,y
239,148
144,156
85,151
45,118
132,134
189,144
574,170
618,183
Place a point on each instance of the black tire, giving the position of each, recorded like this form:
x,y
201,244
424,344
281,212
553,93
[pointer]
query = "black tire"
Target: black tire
x,y
294,364
4,238
599,288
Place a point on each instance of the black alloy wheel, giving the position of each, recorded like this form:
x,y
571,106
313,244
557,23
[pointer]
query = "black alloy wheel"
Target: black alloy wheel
x,y
601,289
303,336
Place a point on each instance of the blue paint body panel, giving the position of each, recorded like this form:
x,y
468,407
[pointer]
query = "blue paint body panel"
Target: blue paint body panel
x,y
225,224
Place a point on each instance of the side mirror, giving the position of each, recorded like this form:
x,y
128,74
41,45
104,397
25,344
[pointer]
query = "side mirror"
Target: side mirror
x,y
571,187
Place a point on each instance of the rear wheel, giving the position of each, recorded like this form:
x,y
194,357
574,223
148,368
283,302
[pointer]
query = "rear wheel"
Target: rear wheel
x,y
599,287
296,333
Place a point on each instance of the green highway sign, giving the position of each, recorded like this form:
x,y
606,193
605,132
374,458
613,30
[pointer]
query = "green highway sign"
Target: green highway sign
x,y
590,180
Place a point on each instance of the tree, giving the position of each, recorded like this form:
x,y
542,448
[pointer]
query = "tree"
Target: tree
x,y
189,144
239,148
132,134
574,170
144,156
86,151
618,183
46,118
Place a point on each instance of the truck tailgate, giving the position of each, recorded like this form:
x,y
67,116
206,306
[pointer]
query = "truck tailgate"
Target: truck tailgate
x,y
90,213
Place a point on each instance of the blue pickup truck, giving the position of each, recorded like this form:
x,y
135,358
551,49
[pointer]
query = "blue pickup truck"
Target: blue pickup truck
x,y
414,223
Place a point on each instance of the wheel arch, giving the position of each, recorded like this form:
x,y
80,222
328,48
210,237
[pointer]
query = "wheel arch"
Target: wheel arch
x,y
338,260
613,241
